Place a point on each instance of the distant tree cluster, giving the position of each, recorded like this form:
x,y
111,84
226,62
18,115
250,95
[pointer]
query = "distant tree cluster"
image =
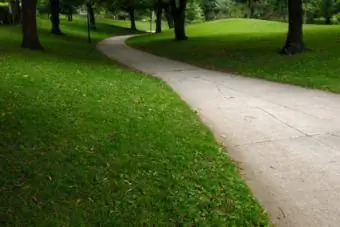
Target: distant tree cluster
x,y
177,13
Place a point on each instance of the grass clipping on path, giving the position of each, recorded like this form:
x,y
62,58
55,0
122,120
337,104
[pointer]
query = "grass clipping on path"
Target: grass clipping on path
x,y
250,48
84,142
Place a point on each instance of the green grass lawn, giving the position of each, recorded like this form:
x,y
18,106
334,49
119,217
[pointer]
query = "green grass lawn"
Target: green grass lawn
x,y
250,47
84,142
141,25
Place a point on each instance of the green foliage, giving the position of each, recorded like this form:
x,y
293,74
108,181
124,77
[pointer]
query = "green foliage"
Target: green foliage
x,y
222,8
44,7
337,6
66,6
216,9
268,9
193,12
312,10
337,17
209,7
327,8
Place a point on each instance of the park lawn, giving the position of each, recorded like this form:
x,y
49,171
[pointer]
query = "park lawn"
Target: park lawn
x,y
250,47
141,25
84,142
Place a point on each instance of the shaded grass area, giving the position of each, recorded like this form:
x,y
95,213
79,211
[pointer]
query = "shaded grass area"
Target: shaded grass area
x,y
141,25
84,142
250,47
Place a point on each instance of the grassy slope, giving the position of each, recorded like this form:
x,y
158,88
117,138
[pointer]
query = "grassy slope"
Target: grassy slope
x,y
141,25
250,47
84,142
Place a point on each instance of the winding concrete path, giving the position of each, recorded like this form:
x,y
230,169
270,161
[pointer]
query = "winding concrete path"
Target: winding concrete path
x,y
286,138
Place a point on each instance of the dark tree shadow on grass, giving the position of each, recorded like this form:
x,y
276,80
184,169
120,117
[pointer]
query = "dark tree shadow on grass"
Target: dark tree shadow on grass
x,y
73,46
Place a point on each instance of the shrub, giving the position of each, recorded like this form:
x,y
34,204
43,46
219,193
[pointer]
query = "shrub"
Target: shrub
x,y
337,17
194,12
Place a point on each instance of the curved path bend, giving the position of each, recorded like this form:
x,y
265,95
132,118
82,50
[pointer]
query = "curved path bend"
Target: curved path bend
x,y
286,139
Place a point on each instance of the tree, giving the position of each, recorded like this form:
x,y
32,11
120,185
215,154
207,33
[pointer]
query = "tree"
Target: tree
x,y
223,7
19,10
128,6
193,11
312,10
55,20
30,39
160,6
90,11
327,10
250,5
159,11
251,8
337,6
209,7
68,7
178,13
168,14
131,10
294,42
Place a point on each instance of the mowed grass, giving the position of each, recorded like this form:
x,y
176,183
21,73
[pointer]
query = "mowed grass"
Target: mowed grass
x,y
141,25
84,142
250,48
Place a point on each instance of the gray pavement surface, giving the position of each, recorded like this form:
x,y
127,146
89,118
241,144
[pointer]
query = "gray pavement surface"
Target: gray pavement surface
x,y
286,139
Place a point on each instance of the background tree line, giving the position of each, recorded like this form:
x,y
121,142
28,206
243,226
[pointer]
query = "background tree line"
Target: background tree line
x,y
176,13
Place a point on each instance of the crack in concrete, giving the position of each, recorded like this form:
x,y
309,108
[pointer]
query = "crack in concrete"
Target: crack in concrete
x,y
265,100
275,140
283,122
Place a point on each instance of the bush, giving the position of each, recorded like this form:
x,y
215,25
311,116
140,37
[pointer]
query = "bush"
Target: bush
x,y
334,20
194,12
337,17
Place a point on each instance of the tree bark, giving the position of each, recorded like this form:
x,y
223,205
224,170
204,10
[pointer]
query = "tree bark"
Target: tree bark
x,y
159,11
91,14
294,42
178,13
251,8
30,39
169,18
19,11
69,17
132,19
70,14
55,20
328,20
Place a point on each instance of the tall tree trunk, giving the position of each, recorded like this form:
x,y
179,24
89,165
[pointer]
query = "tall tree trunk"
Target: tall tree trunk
x,y
294,42
178,13
19,11
69,15
328,20
92,17
169,17
132,19
251,8
30,39
159,12
55,20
